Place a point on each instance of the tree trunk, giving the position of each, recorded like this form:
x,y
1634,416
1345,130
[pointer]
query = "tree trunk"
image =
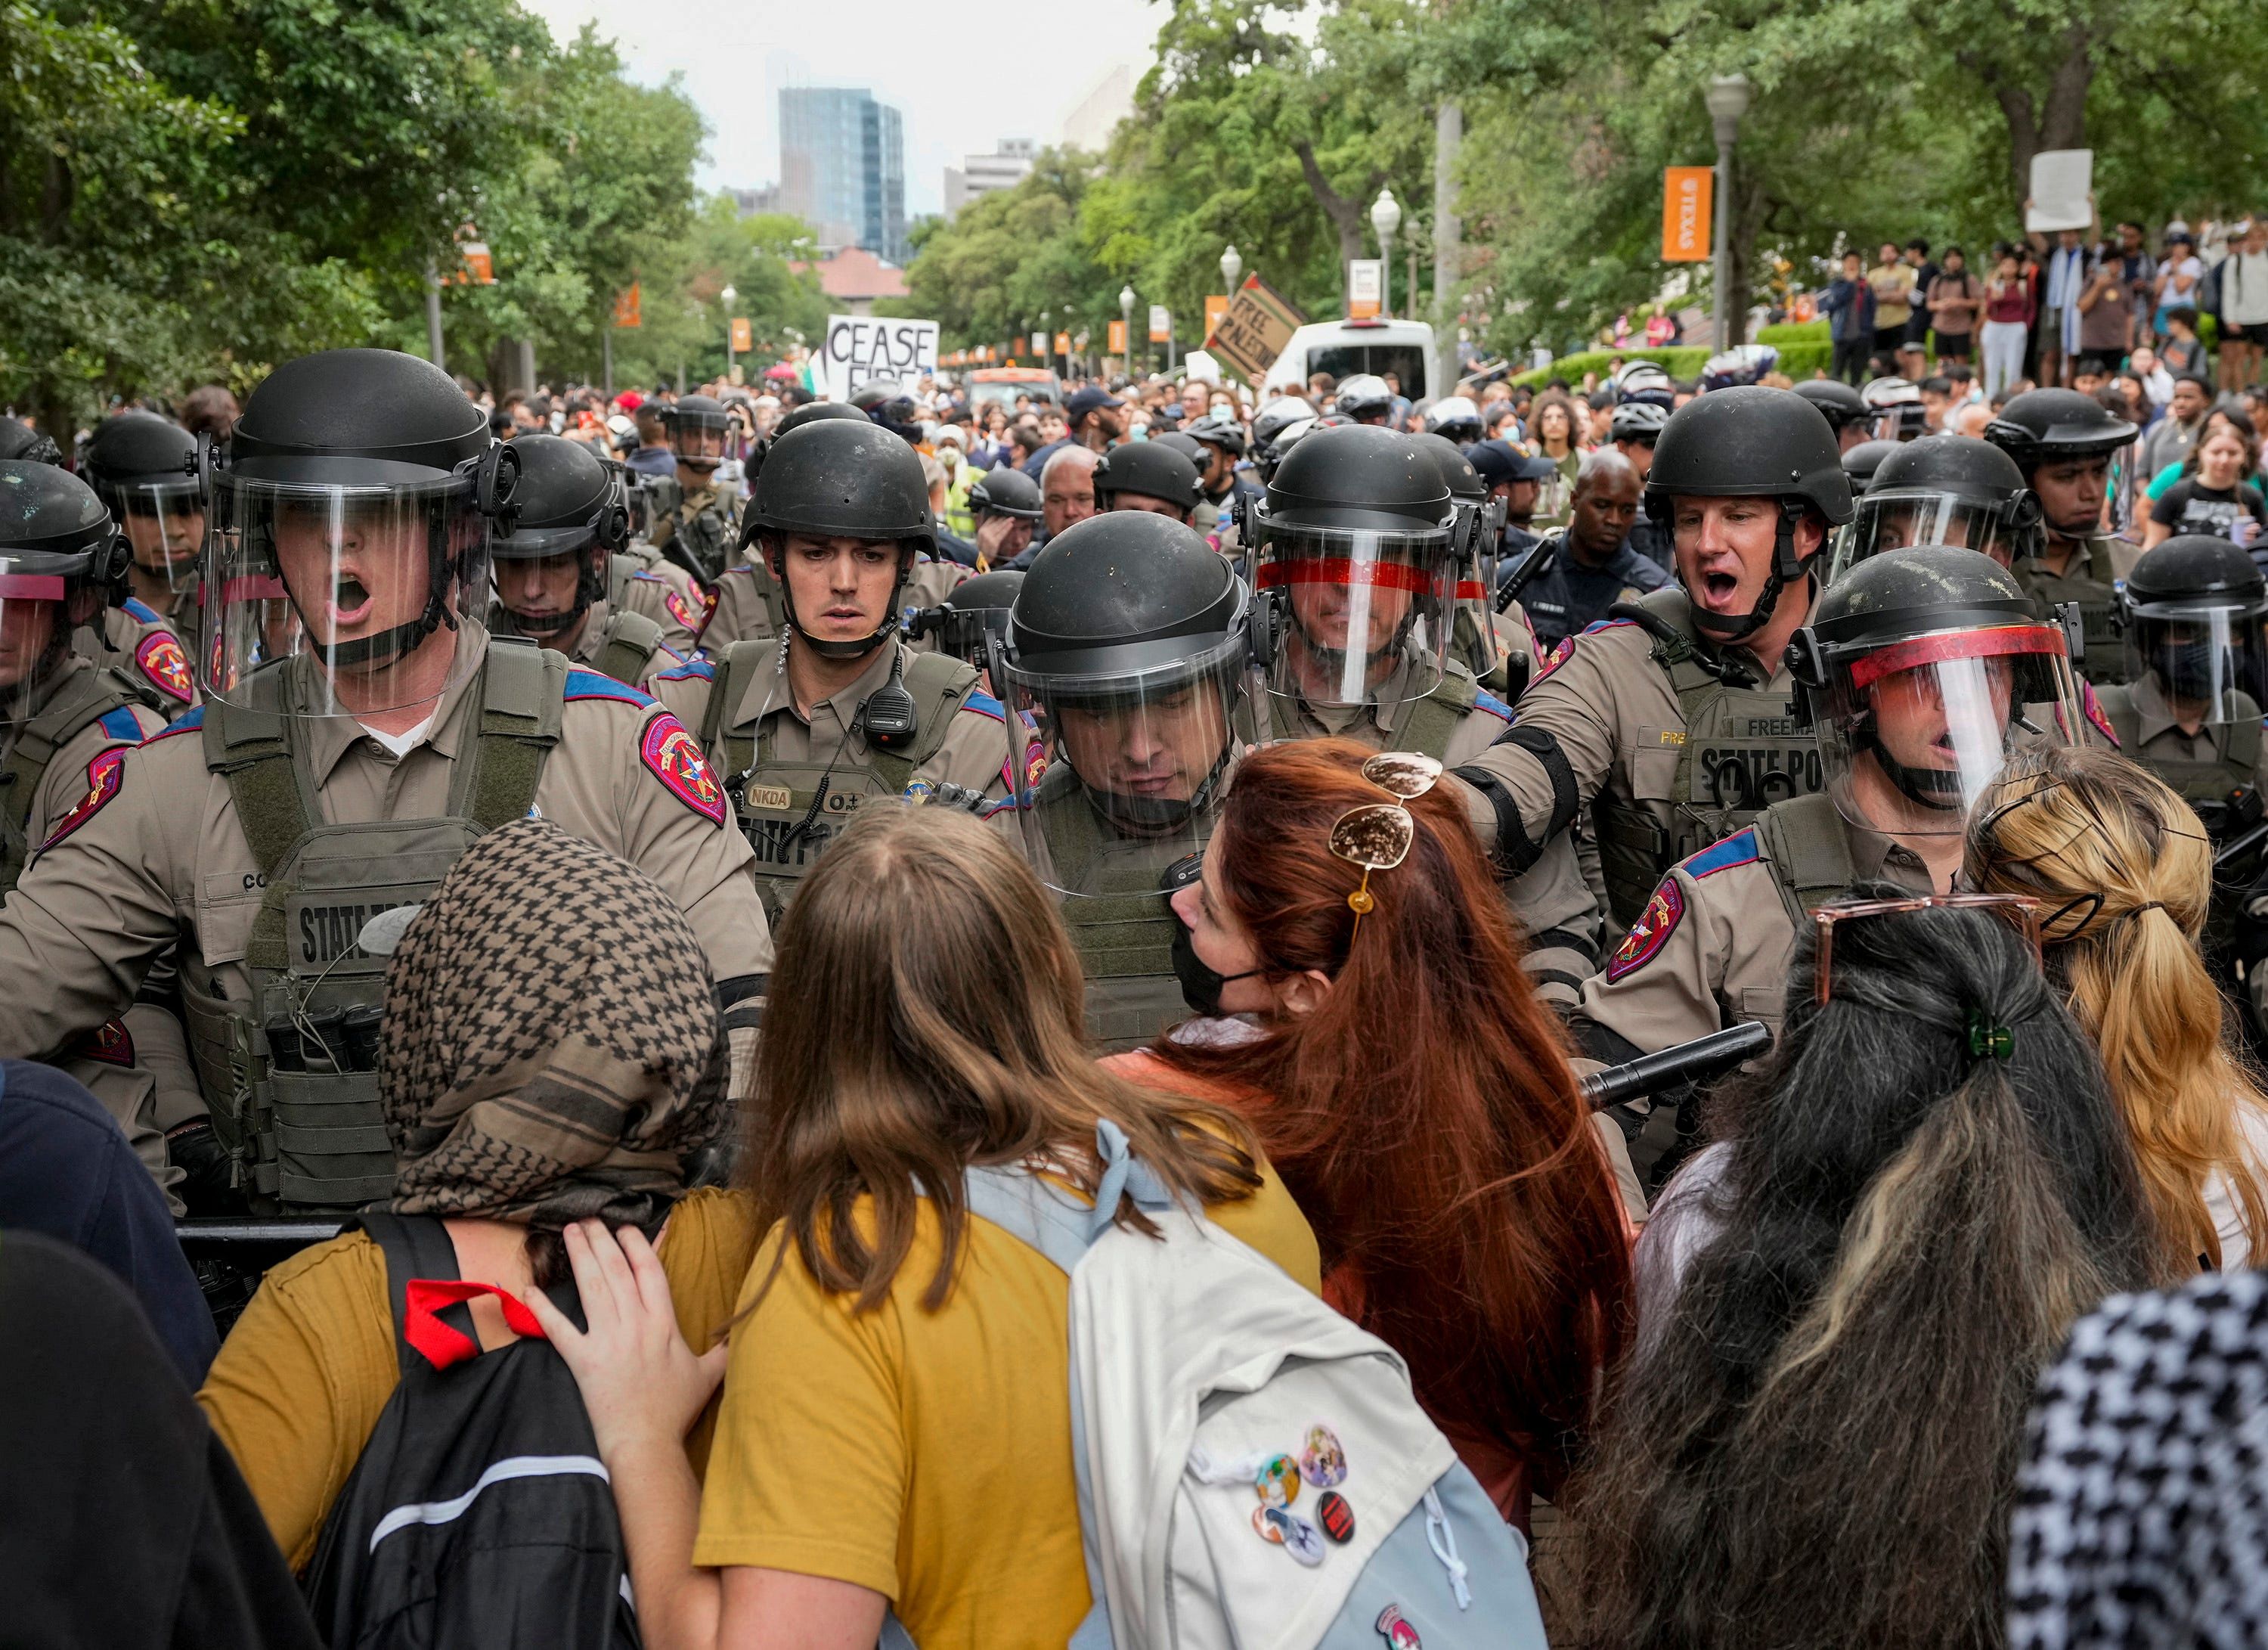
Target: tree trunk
x,y
1343,211
2059,122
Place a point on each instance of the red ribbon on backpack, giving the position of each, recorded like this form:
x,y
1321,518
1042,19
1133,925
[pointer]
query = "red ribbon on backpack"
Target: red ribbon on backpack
x,y
442,1344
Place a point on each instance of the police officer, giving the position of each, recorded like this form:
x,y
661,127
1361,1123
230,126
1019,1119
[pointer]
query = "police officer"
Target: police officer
x,y
141,465
1269,426
965,622
1222,440
2062,441
1455,419
1675,721
1897,406
1590,565
1364,398
697,526
564,580
1861,462
838,709
360,728
65,726
1919,674
1846,410
1147,476
887,403
1498,648
1515,480
1143,688
1943,490
1005,505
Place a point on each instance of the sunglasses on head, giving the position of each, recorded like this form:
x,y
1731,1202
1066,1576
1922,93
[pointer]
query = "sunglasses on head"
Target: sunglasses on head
x,y
2022,913
1377,837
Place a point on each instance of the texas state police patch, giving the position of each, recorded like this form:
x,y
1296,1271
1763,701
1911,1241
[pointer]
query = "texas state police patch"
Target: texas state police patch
x,y
159,656
681,612
1652,931
103,774
674,756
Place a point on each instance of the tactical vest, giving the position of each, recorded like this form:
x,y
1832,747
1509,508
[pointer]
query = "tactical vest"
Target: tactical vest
x,y
291,1076
83,699
790,811
1508,676
1431,723
2197,782
1739,752
2105,664
1123,929
705,533
627,645
1807,845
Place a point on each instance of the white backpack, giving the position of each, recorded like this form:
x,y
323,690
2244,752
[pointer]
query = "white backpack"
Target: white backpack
x,y
1199,1369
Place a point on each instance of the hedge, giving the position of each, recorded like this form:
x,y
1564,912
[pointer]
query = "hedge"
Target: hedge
x,y
1806,354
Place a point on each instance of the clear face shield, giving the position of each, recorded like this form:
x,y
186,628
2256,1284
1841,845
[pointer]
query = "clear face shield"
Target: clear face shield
x,y
163,521
702,440
1142,755
370,582
1913,732
2204,653
1359,613
2006,529
34,633
1479,529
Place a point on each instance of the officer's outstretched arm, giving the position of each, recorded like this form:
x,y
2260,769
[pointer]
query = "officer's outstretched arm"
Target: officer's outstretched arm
x,y
1664,983
1527,787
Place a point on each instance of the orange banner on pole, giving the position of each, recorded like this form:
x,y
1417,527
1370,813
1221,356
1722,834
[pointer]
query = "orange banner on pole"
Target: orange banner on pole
x,y
1118,337
744,336
1688,195
626,307
1216,306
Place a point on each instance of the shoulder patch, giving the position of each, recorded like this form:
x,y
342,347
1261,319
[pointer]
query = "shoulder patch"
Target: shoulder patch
x,y
158,657
143,610
1597,625
1560,655
589,684
104,776
649,575
679,609
985,704
188,723
692,670
1739,849
1652,931
109,1043
1493,705
121,724
674,756
2096,714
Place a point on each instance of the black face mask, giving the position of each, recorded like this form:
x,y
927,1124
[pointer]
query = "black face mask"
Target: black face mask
x,y
1201,986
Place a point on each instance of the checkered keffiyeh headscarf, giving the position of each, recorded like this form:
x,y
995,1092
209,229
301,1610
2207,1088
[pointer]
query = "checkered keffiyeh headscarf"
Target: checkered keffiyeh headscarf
x,y
2141,1513
551,1050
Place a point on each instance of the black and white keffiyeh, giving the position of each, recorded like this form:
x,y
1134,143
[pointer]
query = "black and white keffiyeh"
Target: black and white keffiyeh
x,y
2141,1514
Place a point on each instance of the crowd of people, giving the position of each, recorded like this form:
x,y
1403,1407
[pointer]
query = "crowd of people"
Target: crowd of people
x,y
738,1018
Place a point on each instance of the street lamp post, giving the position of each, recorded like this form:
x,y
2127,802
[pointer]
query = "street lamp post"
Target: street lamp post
x,y
727,297
1385,218
1232,265
1126,308
1727,99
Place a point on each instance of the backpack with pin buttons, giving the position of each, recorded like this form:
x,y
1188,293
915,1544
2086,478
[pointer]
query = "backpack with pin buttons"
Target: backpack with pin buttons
x,y
1253,1469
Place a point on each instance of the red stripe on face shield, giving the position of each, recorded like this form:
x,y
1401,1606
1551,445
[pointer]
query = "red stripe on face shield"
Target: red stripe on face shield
x,y
31,586
1471,590
1339,570
1935,650
253,587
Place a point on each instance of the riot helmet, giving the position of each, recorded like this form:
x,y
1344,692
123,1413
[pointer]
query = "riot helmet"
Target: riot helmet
x,y
1920,673
1644,383
1454,418
348,516
973,611
1861,462
1356,566
1944,489
698,430
2191,612
568,520
1005,491
1639,421
1218,430
1897,406
2062,441
1147,476
892,405
1130,653
60,553
1275,417
1479,529
1742,364
1846,410
20,440
1184,443
837,479
144,467
1272,455
1751,441
812,412
1363,398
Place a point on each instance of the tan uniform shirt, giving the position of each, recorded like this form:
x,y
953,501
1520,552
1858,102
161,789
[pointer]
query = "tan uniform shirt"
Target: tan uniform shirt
x,y
2163,741
144,646
591,640
673,599
742,613
165,856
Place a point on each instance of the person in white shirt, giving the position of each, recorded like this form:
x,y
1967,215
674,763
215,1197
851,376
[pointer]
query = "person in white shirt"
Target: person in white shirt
x,y
2244,304
2150,372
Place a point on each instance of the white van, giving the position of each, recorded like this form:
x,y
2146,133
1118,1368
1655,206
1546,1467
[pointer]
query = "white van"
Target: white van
x,y
1345,348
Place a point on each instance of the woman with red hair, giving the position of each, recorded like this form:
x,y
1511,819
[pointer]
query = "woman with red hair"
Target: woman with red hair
x,y
1416,1098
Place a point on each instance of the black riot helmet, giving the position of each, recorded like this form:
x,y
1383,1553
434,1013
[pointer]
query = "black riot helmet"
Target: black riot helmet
x,y
1277,416
1480,527
1839,403
1148,469
2191,613
1944,489
1921,671
1364,398
1130,649
56,539
1005,490
839,479
349,516
890,404
1184,443
1218,430
698,430
1751,441
973,611
568,502
20,440
2043,425
145,466
813,411
1861,462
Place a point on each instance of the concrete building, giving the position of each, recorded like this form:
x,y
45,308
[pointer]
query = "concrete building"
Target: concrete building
x,y
853,278
986,175
1108,100
757,203
843,167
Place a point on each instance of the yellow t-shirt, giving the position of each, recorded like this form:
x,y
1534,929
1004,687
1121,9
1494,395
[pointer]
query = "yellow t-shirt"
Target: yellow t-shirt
x,y
300,1381
926,1455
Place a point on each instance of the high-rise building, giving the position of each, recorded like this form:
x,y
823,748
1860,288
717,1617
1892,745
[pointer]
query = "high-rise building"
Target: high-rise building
x,y
843,167
984,175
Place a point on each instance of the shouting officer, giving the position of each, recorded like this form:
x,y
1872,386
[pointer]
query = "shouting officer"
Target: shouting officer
x,y
1919,674
1675,720
563,579
1130,647
2062,441
837,709
359,729
65,727
694,524
1944,489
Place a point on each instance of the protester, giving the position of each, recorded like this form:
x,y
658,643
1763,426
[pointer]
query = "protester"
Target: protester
x,y
1844,1304
2215,494
1892,281
1067,490
1554,422
519,1100
896,1428
2169,440
2244,278
1955,300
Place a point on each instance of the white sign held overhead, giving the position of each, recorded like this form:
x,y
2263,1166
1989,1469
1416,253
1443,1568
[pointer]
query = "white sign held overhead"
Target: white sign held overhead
x,y
2062,179
862,348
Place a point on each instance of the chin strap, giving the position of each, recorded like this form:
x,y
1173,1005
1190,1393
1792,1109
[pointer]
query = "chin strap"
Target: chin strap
x,y
825,648
1786,567
1935,788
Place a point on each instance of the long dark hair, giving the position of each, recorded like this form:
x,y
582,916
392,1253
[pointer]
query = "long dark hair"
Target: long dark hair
x,y
1816,1440
1423,1116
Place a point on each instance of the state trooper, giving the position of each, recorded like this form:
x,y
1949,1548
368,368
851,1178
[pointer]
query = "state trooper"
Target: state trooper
x,y
1147,476
1269,426
563,579
1675,720
66,725
976,610
2190,617
142,467
1943,490
2062,441
837,709
1846,410
692,523
1498,648
1861,462
1356,572
360,728
1895,406
1143,690
1005,503
1918,674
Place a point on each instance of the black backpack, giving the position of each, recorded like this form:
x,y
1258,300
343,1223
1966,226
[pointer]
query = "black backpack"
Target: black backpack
x,y
479,1513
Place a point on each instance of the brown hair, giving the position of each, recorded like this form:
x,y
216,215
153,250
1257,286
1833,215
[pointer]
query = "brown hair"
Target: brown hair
x,y
1423,1116
900,1048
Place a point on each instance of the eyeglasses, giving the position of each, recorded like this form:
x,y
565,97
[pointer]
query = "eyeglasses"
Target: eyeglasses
x,y
2021,912
1377,837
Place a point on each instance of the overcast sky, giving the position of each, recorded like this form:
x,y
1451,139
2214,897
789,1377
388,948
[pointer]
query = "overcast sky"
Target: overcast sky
x,y
950,69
